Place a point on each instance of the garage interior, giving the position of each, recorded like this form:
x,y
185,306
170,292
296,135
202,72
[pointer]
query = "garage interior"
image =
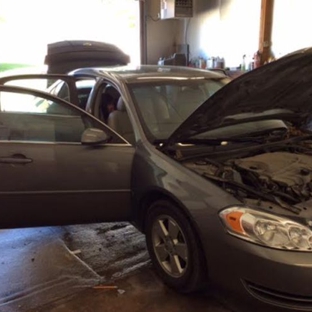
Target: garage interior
x,y
106,267
206,33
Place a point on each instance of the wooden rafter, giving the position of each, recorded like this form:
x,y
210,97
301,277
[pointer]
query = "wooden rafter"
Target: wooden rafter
x,y
265,38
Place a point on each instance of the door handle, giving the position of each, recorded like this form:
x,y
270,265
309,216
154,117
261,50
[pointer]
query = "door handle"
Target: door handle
x,y
15,159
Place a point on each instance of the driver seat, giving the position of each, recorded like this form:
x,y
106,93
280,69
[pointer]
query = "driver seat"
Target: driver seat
x,y
119,121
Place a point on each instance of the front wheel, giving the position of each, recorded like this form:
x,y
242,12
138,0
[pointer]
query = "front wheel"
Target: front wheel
x,y
174,248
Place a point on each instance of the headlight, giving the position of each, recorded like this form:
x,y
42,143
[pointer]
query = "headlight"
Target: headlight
x,y
267,229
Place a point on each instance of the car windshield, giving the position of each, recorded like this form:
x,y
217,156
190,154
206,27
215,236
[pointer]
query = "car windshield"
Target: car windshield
x,y
163,106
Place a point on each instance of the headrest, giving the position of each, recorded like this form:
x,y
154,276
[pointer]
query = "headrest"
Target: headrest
x,y
121,105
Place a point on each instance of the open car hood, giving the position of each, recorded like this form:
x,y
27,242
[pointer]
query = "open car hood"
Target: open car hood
x,y
64,56
282,89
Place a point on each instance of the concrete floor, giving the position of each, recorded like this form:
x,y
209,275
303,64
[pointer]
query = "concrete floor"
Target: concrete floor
x,y
99,267
139,292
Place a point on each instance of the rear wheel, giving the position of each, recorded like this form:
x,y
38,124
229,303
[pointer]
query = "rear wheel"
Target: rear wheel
x,y
174,248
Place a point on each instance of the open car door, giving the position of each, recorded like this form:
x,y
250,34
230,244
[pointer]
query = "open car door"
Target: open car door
x,y
69,88
62,86
59,164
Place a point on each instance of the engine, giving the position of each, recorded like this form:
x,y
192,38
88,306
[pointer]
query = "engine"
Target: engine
x,y
284,175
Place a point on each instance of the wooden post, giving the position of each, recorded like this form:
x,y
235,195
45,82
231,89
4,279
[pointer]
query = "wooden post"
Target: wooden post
x,y
265,38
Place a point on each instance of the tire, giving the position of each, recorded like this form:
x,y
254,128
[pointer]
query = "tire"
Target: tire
x,y
174,248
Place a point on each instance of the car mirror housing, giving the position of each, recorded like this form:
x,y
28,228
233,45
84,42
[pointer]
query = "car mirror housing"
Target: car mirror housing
x,y
93,136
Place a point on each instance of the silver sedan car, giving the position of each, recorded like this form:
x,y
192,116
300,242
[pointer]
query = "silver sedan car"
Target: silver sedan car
x,y
217,174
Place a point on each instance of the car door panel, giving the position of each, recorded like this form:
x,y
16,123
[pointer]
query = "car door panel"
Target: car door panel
x,y
64,184
48,177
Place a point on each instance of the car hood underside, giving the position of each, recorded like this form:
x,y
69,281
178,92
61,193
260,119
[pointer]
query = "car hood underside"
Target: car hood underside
x,y
281,88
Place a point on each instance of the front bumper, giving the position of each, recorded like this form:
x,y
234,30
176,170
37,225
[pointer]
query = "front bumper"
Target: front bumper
x,y
263,277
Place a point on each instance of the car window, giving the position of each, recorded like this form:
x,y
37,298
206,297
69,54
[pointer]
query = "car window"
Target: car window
x,y
24,117
107,101
61,89
113,111
38,84
164,106
83,96
57,87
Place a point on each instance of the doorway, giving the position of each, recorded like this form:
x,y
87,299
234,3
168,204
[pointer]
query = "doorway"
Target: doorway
x,y
26,27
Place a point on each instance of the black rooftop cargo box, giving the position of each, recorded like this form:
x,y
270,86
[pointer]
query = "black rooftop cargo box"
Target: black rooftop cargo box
x,y
64,56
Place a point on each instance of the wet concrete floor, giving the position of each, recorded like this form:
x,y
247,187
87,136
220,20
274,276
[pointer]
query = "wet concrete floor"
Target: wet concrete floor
x,y
98,267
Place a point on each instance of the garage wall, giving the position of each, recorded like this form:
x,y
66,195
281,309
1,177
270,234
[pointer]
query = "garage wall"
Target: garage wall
x,y
224,28
229,29
291,26
162,35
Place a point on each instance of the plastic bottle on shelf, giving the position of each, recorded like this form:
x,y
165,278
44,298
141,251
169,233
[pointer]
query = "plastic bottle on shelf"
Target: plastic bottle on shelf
x,y
221,63
257,59
243,65
202,63
209,63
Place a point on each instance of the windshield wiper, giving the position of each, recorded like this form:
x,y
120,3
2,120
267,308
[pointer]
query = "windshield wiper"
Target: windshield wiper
x,y
259,137
261,194
219,141
266,136
213,142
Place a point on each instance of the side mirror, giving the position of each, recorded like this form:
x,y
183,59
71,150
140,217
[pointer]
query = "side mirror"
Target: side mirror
x,y
93,136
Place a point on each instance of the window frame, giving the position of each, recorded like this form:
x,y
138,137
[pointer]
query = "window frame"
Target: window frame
x,y
82,113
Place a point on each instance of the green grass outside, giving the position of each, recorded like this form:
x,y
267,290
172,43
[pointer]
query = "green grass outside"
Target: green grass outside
x,y
8,66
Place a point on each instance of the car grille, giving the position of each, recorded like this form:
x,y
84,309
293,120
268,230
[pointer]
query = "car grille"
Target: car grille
x,y
281,299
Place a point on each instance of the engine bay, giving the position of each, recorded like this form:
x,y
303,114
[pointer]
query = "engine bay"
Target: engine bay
x,y
282,178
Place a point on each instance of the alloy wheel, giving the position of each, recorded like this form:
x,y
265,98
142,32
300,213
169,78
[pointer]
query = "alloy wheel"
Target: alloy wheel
x,y
170,246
